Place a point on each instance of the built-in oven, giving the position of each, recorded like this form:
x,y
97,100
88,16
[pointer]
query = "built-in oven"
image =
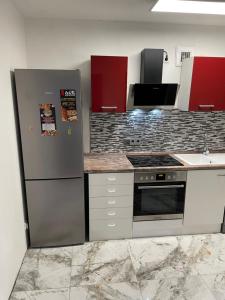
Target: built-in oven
x,y
159,196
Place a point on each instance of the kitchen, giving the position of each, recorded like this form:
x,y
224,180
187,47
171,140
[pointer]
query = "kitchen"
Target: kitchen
x,y
164,131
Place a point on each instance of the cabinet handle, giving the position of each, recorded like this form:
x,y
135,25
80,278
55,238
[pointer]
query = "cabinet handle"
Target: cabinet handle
x,y
152,187
206,106
111,214
111,225
112,202
221,175
109,107
111,190
111,178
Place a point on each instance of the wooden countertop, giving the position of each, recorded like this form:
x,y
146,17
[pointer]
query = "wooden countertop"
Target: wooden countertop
x,y
118,162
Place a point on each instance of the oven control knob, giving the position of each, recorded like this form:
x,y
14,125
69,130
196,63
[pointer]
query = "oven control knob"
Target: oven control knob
x,y
141,178
168,177
146,178
152,177
174,176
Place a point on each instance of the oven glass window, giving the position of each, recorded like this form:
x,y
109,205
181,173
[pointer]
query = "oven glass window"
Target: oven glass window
x,y
159,200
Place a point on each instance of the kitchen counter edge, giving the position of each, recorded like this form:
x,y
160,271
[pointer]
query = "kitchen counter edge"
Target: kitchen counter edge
x,y
118,163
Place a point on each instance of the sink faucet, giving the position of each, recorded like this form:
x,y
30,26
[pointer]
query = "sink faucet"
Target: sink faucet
x,y
206,148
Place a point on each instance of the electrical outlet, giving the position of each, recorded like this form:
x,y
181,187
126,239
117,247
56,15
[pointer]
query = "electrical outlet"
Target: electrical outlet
x,y
135,141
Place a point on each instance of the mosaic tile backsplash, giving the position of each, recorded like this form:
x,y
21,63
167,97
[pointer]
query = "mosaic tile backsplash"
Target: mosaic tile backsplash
x,y
159,130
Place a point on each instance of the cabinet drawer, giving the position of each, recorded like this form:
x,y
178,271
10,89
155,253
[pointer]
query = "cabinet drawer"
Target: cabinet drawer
x,y
110,190
110,229
107,202
111,178
112,213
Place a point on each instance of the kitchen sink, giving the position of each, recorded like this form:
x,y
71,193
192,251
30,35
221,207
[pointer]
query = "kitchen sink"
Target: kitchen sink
x,y
202,159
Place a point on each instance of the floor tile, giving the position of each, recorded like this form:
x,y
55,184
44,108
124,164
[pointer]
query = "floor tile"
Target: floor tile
x,y
54,268
216,283
112,272
157,258
205,253
182,267
31,258
26,280
62,294
100,252
46,269
82,254
182,288
116,291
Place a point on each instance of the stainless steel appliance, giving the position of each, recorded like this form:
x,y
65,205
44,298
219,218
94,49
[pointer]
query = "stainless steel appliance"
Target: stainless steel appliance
x,y
159,195
50,124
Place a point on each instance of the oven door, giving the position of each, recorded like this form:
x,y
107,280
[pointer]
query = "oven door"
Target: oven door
x,y
159,201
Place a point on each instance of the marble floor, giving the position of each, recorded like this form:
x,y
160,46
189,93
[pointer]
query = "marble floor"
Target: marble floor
x,y
167,268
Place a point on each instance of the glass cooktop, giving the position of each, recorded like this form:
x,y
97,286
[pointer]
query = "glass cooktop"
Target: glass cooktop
x,y
153,161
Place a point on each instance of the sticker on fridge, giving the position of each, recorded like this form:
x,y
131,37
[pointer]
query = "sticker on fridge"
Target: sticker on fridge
x,y
48,120
68,105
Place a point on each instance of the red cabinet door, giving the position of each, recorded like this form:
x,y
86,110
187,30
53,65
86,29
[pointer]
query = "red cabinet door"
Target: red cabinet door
x,y
109,83
208,84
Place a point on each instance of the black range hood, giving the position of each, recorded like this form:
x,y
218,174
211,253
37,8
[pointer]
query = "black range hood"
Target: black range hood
x,y
151,92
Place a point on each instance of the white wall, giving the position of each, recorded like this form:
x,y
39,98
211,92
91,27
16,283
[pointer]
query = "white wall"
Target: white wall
x,y
69,44
12,233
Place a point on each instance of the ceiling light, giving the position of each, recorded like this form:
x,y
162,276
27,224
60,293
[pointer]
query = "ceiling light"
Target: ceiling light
x,y
192,7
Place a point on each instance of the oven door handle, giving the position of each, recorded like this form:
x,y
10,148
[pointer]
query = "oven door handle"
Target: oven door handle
x,y
151,187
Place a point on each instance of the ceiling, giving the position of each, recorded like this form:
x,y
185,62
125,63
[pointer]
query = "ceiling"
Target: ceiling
x,y
110,10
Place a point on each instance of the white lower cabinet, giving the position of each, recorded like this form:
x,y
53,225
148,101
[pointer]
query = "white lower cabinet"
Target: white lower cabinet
x,y
110,229
205,197
107,202
110,190
111,213
110,206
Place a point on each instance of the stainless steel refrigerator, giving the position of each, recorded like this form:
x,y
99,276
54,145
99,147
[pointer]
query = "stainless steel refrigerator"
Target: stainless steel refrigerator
x,y
50,126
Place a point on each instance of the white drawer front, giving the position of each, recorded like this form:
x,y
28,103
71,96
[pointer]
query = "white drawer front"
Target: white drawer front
x,y
110,190
111,213
110,229
106,202
111,178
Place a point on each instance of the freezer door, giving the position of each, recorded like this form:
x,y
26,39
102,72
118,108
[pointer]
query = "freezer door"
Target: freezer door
x,y
56,212
60,155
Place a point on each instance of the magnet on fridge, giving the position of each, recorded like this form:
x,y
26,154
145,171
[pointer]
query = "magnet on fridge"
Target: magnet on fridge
x,y
68,105
48,119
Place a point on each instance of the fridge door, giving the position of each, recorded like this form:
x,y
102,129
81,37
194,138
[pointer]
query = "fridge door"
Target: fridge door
x,y
60,155
56,212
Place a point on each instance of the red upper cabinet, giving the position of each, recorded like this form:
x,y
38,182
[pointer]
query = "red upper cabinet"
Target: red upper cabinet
x,y
109,83
202,84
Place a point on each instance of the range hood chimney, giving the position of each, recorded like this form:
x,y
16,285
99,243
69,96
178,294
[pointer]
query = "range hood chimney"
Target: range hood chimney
x,y
151,92
151,65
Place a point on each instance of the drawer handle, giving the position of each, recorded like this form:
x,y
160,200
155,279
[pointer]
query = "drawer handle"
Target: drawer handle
x,y
111,214
111,179
111,225
112,202
206,106
109,107
221,175
111,190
